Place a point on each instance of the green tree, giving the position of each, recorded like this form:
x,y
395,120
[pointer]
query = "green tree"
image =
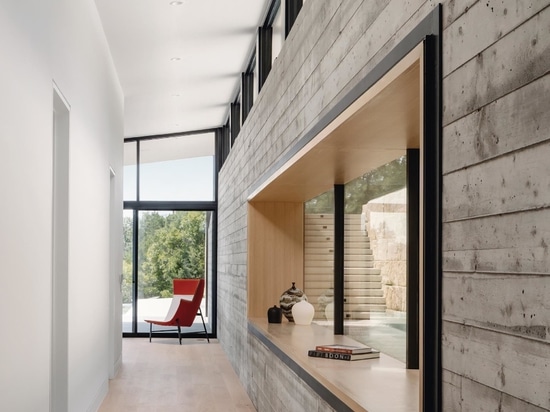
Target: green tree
x,y
386,179
170,246
127,231
175,250
375,183
324,203
149,224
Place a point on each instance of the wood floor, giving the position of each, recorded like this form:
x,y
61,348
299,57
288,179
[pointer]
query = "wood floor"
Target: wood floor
x,y
164,376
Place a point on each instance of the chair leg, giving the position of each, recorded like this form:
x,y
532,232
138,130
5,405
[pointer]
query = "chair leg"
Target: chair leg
x,y
179,332
204,326
150,331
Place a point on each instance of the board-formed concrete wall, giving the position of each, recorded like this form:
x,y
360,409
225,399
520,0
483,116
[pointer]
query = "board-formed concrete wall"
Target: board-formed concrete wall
x,y
496,267
496,181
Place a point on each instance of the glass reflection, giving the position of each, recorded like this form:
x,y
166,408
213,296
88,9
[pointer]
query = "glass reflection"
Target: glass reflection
x,y
375,259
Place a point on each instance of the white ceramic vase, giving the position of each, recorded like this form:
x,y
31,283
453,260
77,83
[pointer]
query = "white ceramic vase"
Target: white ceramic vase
x,y
303,312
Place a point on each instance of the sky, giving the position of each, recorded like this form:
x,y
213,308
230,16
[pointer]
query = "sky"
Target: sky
x,y
190,179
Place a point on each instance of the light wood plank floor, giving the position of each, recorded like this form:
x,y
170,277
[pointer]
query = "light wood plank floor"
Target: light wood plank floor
x,y
164,376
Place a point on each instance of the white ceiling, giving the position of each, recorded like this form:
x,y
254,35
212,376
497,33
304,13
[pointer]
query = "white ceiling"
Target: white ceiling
x,y
213,40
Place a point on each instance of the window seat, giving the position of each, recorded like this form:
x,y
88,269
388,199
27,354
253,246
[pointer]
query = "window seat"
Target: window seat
x,y
366,385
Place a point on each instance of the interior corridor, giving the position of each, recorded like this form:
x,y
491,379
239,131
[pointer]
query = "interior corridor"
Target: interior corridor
x,y
164,376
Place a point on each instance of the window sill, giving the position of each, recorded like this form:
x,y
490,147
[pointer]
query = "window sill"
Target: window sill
x,y
371,385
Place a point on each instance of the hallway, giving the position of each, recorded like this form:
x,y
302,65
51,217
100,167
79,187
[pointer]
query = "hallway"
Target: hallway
x,y
164,376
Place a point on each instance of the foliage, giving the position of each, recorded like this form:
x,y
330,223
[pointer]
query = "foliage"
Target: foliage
x,y
170,246
378,182
386,179
324,203
127,260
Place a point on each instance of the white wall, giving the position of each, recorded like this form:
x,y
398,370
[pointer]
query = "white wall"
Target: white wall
x,y
42,41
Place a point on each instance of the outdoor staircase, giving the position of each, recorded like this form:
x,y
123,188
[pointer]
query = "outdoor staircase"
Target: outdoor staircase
x,y
362,282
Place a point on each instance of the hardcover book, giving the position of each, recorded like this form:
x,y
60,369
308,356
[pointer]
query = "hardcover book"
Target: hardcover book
x,y
339,348
343,356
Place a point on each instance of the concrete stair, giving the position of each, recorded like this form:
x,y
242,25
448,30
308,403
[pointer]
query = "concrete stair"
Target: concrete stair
x,y
362,281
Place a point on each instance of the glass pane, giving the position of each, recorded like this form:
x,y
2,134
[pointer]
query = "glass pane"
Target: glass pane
x,y
278,34
171,245
375,265
256,73
130,162
179,168
319,257
127,265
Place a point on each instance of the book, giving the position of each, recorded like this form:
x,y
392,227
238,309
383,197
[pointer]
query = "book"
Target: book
x,y
339,348
343,356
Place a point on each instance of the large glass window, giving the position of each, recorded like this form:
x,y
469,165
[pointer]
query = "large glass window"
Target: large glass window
x,y
172,245
169,220
375,258
319,256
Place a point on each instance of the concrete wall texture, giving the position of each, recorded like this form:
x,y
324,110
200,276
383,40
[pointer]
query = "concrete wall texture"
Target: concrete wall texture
x,y
496,181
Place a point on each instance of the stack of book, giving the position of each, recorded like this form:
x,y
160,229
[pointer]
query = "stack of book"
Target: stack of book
x,y
344,352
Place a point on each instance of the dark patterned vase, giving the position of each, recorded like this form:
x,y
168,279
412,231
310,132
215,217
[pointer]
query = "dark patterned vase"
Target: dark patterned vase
x,y
289,298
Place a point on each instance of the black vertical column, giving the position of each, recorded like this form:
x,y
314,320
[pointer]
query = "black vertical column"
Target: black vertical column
x,y
135,243
431,368
138,168
135,263
338,259
413,236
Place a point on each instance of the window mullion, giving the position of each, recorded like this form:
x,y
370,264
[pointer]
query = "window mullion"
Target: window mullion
x,y
339,259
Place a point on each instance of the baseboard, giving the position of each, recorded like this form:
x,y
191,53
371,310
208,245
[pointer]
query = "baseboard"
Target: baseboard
x,y
100,396
115,368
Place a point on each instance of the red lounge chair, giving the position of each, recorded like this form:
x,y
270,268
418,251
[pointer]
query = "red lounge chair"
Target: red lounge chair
x,y
186,305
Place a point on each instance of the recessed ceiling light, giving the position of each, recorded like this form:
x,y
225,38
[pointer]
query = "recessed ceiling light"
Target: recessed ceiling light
x,y
176,3
175,59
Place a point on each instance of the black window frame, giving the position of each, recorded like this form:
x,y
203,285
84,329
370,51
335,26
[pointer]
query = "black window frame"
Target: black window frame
x,y
263,55
221,136
265,43
292,9
247,87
